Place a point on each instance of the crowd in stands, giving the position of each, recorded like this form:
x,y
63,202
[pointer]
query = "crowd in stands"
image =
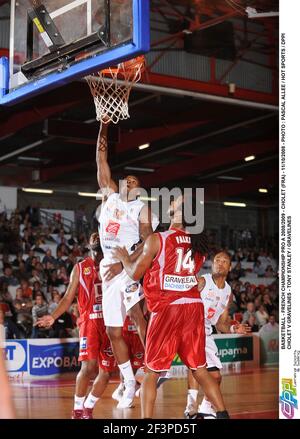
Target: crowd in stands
x,y
36,261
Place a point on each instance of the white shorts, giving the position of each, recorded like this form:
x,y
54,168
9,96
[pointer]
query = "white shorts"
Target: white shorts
x,y
119,295
211,351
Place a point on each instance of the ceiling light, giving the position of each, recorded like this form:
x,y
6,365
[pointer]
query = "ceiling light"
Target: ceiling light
x,y
29,159
263,191
249,158
232,204
137,168
228,177
146,145
37,191
90,194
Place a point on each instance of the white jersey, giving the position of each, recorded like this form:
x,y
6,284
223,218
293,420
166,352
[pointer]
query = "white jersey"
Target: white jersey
x,y
119,224
215,300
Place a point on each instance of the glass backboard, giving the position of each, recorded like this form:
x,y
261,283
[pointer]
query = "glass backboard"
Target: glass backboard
x,y
56,41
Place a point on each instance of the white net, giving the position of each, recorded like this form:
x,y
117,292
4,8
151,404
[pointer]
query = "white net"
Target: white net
x,y
111,89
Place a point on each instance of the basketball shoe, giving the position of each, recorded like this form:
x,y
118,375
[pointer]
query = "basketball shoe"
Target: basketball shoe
x,y
77,414
128,395
118,392
87,413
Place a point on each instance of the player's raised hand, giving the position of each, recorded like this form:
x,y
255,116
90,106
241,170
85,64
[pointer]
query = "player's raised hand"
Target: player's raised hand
x,y
45,322
242,328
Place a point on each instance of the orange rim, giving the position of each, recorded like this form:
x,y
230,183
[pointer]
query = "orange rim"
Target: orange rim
x,y
128,66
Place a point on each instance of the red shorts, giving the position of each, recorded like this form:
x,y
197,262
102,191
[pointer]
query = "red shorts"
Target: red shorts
x,y
135,349
94,344
176,329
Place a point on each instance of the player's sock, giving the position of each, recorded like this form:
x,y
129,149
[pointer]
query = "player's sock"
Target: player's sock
x,y
90,401
78,402
192,397
191,404
127,372
206,407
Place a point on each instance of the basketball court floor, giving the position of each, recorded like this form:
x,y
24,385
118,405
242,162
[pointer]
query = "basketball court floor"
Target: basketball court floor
x,y
248,395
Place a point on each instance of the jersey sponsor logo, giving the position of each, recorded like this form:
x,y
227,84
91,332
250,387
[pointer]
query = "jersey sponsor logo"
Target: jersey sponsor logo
x,y
131,288
210,313
96,315
131,328
113,228
105,363
139,355
118,214
97,308
211,293
108,351
179,283
83,343
87,271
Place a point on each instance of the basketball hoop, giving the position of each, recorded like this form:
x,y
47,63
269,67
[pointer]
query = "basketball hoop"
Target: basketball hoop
x,y
111,88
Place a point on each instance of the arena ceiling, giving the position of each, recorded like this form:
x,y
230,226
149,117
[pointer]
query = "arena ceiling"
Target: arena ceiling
x,y
194,141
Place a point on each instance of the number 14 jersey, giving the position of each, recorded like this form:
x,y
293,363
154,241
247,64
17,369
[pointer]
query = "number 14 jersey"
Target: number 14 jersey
x,y
173,274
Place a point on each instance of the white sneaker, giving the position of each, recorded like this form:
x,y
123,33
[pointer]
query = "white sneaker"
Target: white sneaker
x,y
190,412
127,399
118,392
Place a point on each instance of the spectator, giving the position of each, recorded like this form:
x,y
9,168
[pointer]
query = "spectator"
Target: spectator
x,y
250,312
262,316
258,269
80,217
272,325
257,301
8,276
26,289
268,304
63,275
242,301
48,257
251,321
237,271
55,301
19,260
54,280
24,316
35,277
10,329
40,309
269,271
62,327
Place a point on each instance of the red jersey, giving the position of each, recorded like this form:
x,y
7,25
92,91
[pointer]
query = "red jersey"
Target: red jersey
x,y
172,275
89,291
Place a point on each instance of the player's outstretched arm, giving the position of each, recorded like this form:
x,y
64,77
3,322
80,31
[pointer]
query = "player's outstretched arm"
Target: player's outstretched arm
x,y
65,302
224,323
103,169
137,269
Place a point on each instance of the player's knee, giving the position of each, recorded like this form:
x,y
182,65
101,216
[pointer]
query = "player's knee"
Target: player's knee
x,y
217,376
114,334
89,370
